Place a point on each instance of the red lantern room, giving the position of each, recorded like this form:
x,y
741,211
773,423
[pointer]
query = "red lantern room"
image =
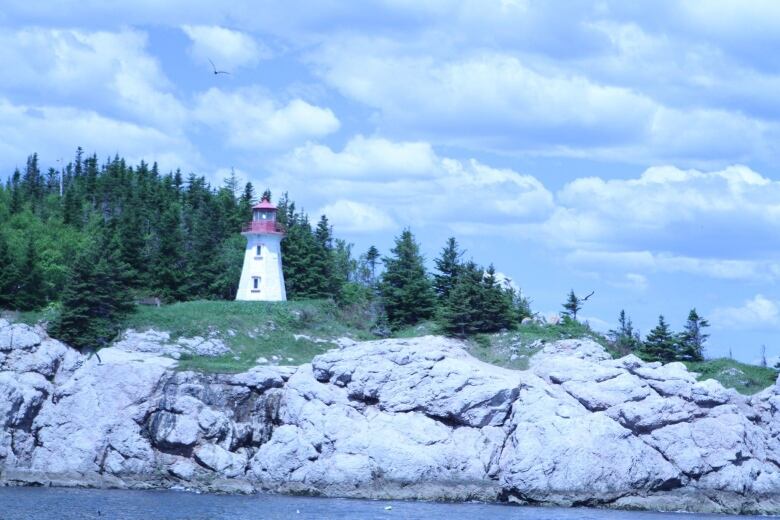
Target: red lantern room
x,y
264,219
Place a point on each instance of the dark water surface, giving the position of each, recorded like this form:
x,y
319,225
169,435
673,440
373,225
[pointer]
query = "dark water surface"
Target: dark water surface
x,y
78,504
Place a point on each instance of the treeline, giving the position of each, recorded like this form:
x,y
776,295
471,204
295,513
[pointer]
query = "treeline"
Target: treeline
x,y
174,237
461,296
91,238
661,343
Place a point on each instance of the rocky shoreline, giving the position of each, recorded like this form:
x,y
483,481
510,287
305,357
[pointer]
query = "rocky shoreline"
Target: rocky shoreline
x,y
405,419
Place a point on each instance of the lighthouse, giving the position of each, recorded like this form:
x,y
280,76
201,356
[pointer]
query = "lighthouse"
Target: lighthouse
x,y
261,276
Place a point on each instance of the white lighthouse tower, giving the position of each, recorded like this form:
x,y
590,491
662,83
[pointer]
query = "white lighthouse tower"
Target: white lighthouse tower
x,y
261,277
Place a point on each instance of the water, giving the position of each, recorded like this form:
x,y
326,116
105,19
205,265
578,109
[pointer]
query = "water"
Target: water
x,y
83,504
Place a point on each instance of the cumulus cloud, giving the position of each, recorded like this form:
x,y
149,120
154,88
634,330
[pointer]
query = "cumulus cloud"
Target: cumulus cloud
x,y
414,184
497,99
227,48
756,313
355,217
250,118
50,130
668,209
631,281
648,261
362,157
103,70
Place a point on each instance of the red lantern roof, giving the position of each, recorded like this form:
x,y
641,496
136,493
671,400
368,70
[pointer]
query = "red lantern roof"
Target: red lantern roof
x,y
264,204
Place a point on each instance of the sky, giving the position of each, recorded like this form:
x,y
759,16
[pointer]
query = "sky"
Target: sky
x,y
626,148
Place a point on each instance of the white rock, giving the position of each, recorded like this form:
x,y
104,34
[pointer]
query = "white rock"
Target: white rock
x,y
402,418
218,459
586,349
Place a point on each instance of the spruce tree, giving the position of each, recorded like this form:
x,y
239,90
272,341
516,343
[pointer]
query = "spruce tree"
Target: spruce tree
x,y
9,276
298,250
660,344
462,313
406,290
448,266
497,304
94,299
31,293
372,257
170,265
572,305
693,338
625,338
323,280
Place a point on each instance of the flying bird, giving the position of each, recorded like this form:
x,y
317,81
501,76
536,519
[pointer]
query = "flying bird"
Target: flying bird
x,y
215,68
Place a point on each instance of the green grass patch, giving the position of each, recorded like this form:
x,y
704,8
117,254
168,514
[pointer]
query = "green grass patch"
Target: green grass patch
x,y
424,328
42,316
285,333
514,348
745,379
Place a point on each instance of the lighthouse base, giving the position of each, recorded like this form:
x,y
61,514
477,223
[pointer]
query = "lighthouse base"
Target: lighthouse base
x,y
261,277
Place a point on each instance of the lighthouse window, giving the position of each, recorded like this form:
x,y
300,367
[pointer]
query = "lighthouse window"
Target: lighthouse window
x,y
259,252
255,284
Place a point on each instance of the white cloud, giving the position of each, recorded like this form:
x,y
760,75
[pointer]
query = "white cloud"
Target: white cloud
x,y
631,281
228,49
648,261
363,157
50,130
102,70
485,98
251,119
482,95
413,184
355,217
756,313
668,209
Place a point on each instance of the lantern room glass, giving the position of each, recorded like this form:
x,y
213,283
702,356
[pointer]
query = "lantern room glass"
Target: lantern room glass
x,y
264,215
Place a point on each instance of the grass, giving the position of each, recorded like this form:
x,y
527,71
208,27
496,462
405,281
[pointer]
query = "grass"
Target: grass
x,y
45,315
745,379
268,329
251,329
424,328
513,349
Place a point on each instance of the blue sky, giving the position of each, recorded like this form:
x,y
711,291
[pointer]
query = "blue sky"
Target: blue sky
x,y
624,147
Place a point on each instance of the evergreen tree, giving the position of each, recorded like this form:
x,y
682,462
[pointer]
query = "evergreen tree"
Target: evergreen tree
x,y
94,300
521,306
693,338
660,344
477,303
228,263
31,293
372,258
625,338
170,263
574,304
323,280
297,251
406,290
9,276
462,313
497,307
448,265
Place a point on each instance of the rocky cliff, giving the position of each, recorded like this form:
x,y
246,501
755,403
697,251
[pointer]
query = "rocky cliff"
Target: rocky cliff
x,y
416,418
